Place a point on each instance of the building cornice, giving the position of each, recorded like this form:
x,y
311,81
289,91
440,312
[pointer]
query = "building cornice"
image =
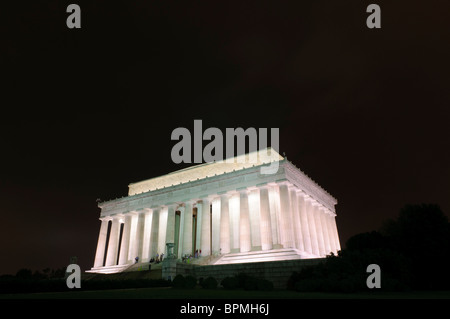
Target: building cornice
x,y
309,186
194,189
213,185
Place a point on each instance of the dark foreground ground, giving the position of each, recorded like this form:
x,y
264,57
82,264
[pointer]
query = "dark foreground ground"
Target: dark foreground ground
x,y
172,293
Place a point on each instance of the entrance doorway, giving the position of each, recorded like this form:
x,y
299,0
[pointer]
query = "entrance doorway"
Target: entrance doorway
x,y
194,230
177,233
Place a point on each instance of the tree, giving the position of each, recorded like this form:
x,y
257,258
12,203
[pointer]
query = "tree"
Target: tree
x,y
370,240
413,251
422,234
24,274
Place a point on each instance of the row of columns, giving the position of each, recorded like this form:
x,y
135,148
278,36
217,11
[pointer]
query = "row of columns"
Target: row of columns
x,y
282,216
263,217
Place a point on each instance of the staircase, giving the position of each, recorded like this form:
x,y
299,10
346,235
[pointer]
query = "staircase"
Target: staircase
x,y
260,256
143,266
206,260
109,269
125,268
233,258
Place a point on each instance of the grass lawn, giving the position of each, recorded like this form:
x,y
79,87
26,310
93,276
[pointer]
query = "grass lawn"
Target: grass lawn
x,y
171,293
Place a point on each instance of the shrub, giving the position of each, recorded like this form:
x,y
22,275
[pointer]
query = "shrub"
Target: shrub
x,y
242,279
190,282
24,274
251,283
230,283
293,279
305,285
179,281
209,283
264,285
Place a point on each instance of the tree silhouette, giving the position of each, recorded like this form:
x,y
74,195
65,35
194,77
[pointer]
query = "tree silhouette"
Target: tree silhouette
x,y
413,252
422,233
24,274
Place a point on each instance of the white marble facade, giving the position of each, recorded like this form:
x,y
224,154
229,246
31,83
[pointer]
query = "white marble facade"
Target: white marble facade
x,y
218,209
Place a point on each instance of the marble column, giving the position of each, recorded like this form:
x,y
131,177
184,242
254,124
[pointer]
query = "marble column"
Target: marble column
x,y
312,226
170,229
139,238
111,255
244,222
328,218
266,227
304,222
215,224
205,243
164,225
125,245
101,244
254,214
224,224
287,238
145,252
335,232
319,230
234,213
326,236
298,235
154,233
274,200
187,229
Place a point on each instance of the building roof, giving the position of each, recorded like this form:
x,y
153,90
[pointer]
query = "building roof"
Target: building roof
x,y
201,171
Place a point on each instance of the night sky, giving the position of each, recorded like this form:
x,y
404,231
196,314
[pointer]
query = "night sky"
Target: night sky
x,y
84,112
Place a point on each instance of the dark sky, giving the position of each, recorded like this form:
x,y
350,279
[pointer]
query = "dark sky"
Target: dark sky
x,y
85,112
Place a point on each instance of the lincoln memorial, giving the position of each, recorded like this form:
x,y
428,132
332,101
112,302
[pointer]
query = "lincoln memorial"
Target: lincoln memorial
x,y
223,212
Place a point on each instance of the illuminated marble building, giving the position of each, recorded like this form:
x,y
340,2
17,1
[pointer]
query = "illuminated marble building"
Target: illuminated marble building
x,y
227,212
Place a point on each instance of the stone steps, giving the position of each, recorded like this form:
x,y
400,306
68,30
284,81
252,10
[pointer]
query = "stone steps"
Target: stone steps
x,y
143,266
124,268
260,256
109,269
207,260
